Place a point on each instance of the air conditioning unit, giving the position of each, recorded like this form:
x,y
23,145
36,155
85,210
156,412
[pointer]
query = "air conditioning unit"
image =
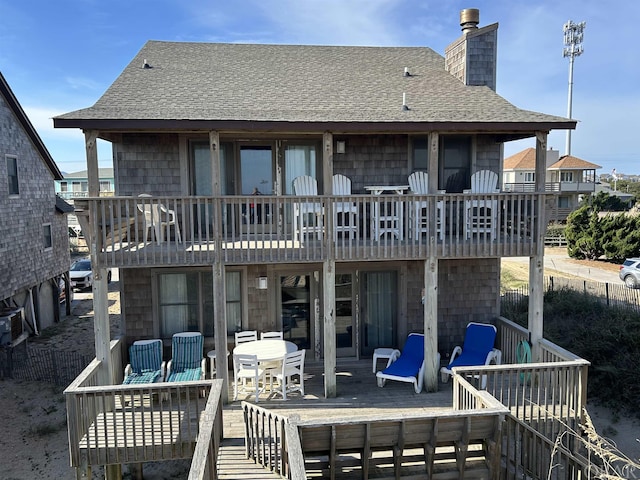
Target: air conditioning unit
x,y
11,325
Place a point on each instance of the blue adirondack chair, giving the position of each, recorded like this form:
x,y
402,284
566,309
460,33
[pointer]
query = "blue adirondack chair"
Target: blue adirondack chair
x,y
187,360
145,362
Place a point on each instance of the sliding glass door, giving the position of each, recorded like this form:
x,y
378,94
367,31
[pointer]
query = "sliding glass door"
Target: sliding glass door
x,y
379,292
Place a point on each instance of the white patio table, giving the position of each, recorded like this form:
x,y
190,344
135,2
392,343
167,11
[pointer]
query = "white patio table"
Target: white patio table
x,y
266,350
387,217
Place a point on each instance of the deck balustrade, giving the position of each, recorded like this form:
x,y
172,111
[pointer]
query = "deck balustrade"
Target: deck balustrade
x,y
120,424
259,229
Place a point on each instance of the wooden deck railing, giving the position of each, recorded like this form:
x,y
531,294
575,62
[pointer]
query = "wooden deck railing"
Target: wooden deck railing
x,y
293,447
265,438
546,403
116,424
205,457
255,229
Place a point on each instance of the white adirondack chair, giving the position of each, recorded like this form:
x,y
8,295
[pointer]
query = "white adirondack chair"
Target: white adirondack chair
x,y
481,214
307,214
345,213
419,184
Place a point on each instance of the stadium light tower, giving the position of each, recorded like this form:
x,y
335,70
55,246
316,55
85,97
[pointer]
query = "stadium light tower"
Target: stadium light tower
x,y
573,33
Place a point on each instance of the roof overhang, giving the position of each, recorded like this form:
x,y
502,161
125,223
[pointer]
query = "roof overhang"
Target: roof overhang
x,y
505,130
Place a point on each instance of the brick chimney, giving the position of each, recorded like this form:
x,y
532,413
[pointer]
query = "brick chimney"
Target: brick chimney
x,y
472,58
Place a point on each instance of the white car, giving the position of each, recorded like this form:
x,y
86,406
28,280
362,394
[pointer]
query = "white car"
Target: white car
x,y
81,274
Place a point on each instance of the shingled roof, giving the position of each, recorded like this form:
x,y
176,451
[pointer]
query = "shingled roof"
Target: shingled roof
x,y
200,85
569,162
21,116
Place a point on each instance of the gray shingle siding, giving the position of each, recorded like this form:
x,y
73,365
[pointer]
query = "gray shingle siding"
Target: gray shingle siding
x,y
25,262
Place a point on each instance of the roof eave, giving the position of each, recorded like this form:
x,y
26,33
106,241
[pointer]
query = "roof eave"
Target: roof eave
x,y
7,93
507,128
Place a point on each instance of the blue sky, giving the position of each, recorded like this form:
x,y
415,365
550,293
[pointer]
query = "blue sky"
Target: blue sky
x,y
62,55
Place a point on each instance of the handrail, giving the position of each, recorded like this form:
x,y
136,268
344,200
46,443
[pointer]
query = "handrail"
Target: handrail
x,y
250,229
265,437
108,424
204,464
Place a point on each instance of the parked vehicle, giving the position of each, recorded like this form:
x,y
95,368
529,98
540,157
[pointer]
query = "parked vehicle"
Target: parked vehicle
x,y
82,275
630,272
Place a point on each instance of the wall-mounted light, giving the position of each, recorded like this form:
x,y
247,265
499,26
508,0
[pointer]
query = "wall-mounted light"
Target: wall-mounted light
x,y
340,146
262,283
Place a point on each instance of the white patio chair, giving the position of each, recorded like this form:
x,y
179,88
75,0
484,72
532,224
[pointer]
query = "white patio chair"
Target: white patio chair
x,y
271,335
481,214
292,365
248,376
159,218
345,213
246,336
307,215
419,184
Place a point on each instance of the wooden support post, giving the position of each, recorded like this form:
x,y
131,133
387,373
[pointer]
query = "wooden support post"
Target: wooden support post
x,y
93,176
536,262
214,150
329,303
220,337
430,310
327,163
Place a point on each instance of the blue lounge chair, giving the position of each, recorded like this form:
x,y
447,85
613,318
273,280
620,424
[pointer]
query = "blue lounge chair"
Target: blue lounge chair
x,y
187,360
477,349
409,366
145,362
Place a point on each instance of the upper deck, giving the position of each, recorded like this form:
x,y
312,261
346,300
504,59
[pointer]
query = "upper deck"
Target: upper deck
x,y
152,231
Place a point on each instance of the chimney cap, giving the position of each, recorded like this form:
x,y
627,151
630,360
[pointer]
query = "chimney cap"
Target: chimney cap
x,y
469,19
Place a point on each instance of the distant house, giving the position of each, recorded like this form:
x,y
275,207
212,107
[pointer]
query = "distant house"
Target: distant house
x,y
76,184
34,245
568,176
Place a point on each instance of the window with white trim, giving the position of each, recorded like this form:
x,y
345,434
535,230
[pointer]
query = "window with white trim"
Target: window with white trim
x,y
529,177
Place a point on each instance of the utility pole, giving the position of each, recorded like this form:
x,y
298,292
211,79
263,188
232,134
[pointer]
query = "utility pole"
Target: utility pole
x,y
573,33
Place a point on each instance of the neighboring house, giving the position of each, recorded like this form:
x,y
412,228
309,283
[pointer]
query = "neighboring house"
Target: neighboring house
x,y
568,176
76,184
34,245
199,126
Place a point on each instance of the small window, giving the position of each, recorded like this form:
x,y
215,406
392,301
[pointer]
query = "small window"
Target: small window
x,y
529,177
12,175
47,237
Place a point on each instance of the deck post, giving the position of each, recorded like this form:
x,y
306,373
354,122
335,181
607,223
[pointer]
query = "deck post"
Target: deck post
x,y
220,328
329,312
430,309
536,262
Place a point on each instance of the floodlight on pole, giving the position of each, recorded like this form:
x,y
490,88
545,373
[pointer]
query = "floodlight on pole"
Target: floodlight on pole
x,y
573,34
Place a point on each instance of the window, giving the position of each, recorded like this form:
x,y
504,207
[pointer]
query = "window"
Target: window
x,y
185,302
529,177
454,163
105,186
47,237
566,176
12,175
298,160
63,186
420,154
